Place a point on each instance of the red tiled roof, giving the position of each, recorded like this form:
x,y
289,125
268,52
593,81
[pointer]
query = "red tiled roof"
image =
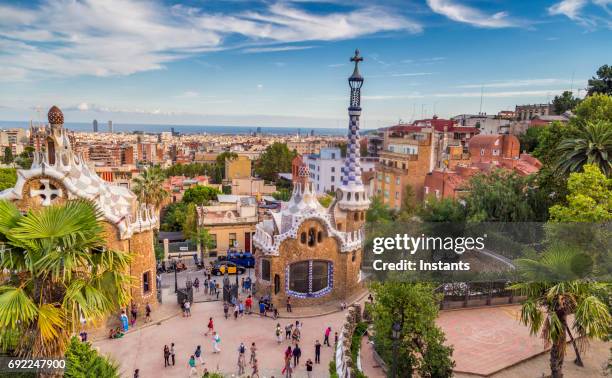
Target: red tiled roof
x,y
436,123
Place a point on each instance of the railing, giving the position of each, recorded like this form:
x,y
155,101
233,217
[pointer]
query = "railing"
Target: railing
x,y
476,294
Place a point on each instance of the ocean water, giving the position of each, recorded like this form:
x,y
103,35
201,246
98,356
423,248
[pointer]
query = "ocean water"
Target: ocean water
x,y
186,129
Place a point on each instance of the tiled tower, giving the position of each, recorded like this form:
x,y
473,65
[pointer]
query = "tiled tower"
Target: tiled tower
x,y
352,199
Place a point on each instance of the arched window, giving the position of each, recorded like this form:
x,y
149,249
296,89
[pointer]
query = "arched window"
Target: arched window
x,y
319,236
303,238
276,284
265,269
356,216
311,237
310,278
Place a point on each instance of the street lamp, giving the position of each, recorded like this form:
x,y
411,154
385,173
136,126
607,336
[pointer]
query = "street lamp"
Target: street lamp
x,y
175,277
395,335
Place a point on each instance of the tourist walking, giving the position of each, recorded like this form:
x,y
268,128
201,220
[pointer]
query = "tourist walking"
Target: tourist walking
x,y
173,353
288,304
166,356
216,342
137,373
147,313
196,284
248,302
236,309
205,286
255,372
287,368
186,308
296,335
198,355
192,366
124,321
134,312
278,333
288,331
226,309
317,352
297,353
240,308
211,326
326,339
309,368
253,354
241,358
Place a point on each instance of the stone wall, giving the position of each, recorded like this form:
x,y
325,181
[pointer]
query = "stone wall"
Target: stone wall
x,y
344,348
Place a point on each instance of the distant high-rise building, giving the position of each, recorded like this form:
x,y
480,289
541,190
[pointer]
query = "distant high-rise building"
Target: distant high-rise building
x,y
95,125
258,131
110,126
312,132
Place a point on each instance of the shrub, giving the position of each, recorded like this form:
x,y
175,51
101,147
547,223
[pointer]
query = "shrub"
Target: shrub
x,y
83,361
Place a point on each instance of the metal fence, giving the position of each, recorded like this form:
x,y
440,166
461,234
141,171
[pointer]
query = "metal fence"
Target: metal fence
x,y
476,294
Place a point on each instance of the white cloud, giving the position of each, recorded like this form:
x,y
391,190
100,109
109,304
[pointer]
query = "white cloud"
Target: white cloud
x,y
574,9
568,8
469,15
274,49
122,37
188,94
517,83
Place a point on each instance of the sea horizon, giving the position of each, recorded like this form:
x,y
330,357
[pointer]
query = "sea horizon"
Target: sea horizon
x,y
189,129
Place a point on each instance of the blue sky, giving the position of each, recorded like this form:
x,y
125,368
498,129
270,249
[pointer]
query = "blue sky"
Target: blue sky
x,y
285,63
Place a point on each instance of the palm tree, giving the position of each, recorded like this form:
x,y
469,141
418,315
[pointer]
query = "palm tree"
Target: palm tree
x,y
148,187
60,272
592,145
556,288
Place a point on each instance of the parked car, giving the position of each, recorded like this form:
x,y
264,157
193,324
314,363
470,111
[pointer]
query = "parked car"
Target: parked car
x,y
221,267
245,259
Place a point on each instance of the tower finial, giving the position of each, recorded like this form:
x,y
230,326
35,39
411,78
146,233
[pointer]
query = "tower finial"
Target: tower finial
x,y
357,58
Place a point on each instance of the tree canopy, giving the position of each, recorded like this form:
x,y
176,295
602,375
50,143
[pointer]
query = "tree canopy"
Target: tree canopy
x,y
275,159
602,83
564,102
421,350
200,195
589,198
8,178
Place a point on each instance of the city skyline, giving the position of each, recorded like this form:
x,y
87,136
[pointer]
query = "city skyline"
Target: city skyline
x,y
286,63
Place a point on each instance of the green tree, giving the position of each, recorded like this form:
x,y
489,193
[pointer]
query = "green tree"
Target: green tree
x,y
173,217
200,195
592,145
443,210
566,101
282,194
421,350
548,140
592,109
149,188
275,159
556,288
60,271
602,83
84,361
8,155
499,196
220,166
378,211
8,178
408,206
326,200
589,198
529,140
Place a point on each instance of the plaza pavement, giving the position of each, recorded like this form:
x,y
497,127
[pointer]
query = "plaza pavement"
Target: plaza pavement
x,y
142,348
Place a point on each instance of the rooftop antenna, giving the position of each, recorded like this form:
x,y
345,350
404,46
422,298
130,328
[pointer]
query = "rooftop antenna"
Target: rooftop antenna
x,y
481,98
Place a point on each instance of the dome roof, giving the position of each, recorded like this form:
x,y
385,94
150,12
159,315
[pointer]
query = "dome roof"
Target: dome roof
x,y
55,116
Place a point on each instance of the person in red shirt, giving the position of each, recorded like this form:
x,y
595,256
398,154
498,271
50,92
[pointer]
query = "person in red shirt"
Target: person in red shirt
x,y
248,304
211,327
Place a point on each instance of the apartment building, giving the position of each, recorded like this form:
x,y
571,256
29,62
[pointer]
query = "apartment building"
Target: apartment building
x,y
230,223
